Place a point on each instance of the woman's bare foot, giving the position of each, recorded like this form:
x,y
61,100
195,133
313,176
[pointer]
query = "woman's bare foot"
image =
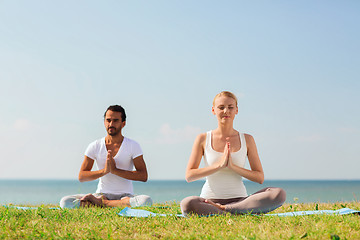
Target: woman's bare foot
x,y
218,205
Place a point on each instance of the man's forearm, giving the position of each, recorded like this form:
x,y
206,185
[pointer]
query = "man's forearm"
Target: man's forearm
x,y
85,176
131,175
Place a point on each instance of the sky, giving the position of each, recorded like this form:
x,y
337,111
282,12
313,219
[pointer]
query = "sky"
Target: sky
x,y
294,66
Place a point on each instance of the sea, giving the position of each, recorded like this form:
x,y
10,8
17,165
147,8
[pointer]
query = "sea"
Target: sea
x,y
38,192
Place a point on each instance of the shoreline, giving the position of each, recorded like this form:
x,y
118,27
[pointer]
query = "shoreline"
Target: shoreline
x,y
50,192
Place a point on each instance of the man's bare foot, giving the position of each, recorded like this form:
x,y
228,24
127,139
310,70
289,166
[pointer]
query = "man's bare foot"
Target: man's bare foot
x,y
90,200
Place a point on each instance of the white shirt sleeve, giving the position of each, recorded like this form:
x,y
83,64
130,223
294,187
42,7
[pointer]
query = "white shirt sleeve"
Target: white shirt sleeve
x,y
136,149
92,150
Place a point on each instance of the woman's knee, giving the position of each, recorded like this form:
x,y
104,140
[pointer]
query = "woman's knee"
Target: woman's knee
x,y
188,203
279,195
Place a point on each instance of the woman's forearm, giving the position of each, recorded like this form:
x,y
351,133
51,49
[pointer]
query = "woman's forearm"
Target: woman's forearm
x,y
252,175
198,173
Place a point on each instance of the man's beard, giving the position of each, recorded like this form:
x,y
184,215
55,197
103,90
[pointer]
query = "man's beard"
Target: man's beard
x,y
114,133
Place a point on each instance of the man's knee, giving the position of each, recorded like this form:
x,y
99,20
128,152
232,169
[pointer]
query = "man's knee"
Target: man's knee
x,y
140,200
70,202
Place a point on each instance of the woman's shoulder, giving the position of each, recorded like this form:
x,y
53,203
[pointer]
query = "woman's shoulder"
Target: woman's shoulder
x,y
249,138
201,137
247,135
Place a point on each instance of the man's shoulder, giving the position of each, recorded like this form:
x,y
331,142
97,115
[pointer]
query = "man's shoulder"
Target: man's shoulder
x,y
97,142
133,147
94,147
131,141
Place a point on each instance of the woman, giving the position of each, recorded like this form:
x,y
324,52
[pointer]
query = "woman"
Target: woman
x,y
225,151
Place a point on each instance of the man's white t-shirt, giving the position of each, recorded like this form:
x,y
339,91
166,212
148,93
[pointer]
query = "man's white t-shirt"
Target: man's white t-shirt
x,y
111,183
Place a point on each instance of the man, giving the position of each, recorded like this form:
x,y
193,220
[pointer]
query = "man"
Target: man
x,y
115,156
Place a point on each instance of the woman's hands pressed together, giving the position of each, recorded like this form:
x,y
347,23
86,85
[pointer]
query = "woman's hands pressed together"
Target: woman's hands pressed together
x,y
226,158
256,173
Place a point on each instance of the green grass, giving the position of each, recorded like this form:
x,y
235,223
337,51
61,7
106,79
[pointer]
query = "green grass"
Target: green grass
x,y
99,223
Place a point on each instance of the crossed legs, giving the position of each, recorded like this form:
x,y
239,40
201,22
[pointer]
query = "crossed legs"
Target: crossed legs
x,y
102,201
105,200
262,201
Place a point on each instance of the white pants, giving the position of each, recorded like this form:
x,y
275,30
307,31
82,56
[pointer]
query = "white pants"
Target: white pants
x,y
73,201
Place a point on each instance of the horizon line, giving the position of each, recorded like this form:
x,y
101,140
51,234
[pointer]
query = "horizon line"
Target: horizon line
x,y
75,179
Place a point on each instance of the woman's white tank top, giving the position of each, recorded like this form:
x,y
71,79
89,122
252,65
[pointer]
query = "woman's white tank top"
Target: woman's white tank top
x,y
225,183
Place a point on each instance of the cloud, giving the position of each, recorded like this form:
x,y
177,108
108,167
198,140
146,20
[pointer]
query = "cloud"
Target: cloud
x,y
168,135
348,130
240,95
22,124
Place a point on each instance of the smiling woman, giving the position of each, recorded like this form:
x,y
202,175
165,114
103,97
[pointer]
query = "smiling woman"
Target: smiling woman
x,y
225,151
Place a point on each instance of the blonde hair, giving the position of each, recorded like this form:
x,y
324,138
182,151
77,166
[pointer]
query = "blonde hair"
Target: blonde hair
x,y
226,94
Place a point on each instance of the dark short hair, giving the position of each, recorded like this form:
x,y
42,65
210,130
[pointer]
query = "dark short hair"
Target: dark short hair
x,y
117,108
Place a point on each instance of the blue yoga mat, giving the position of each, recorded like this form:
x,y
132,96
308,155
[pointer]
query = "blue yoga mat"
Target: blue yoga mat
x,y
341,211
27,208
129,212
